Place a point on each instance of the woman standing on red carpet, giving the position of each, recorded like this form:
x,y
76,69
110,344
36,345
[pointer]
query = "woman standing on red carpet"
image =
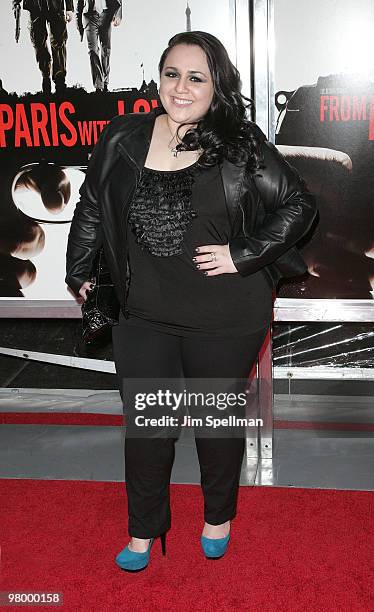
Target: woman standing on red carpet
x,y
198,215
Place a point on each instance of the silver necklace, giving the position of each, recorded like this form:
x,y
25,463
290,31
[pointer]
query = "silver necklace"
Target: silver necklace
x,y
174,151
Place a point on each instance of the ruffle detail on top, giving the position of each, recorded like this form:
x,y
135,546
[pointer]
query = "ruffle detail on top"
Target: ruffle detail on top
x,y
161,211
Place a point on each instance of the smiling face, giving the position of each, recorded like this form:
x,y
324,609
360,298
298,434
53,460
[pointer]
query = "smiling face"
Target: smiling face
x,y
186,85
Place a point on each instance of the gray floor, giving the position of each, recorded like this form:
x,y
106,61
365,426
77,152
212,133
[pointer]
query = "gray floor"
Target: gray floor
x,y
311,458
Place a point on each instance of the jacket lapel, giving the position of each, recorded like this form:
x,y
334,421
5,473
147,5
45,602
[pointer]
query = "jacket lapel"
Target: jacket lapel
x,y
134,145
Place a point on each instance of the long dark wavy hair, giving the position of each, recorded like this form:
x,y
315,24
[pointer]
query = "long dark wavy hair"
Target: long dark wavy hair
x,y
224,132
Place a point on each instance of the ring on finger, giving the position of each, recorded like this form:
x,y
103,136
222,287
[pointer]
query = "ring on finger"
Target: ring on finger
x,y
213,256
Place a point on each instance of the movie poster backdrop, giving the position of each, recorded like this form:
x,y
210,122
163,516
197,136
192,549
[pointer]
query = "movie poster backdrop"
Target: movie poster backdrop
x,y
324,84
324,108
324,101
48,126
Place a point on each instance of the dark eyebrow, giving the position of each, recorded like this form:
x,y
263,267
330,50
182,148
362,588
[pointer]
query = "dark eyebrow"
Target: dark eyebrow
x,y
189,72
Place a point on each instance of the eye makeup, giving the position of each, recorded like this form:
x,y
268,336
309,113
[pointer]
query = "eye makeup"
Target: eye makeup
x,y
171,71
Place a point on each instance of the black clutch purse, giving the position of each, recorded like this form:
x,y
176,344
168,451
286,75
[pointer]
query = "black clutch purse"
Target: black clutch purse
x,y
100,311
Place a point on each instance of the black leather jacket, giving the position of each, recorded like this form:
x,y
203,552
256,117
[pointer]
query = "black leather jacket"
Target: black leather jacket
x,y
269,213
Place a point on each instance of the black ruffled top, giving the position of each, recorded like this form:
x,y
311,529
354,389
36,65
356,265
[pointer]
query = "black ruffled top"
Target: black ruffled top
x,y
161,210
171,214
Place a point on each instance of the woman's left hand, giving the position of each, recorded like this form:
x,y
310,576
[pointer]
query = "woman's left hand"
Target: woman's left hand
x,y
214,259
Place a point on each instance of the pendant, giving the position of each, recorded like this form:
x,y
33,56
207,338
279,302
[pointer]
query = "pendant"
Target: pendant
x,y
175,151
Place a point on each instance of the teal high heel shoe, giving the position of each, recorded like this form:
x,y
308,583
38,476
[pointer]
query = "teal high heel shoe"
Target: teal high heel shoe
x,y
132,561
215,548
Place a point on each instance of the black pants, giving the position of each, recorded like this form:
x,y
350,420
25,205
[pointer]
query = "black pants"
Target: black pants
x,y
98,28
143,353
58,36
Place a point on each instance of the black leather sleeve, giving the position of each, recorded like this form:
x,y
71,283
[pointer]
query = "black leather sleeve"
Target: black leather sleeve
x,y
289,212
85,235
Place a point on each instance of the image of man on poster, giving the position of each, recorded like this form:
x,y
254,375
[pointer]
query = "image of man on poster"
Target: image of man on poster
x,y
95,17
49,17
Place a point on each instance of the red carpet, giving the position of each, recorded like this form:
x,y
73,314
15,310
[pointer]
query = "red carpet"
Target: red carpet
x,y
61,418
292,550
